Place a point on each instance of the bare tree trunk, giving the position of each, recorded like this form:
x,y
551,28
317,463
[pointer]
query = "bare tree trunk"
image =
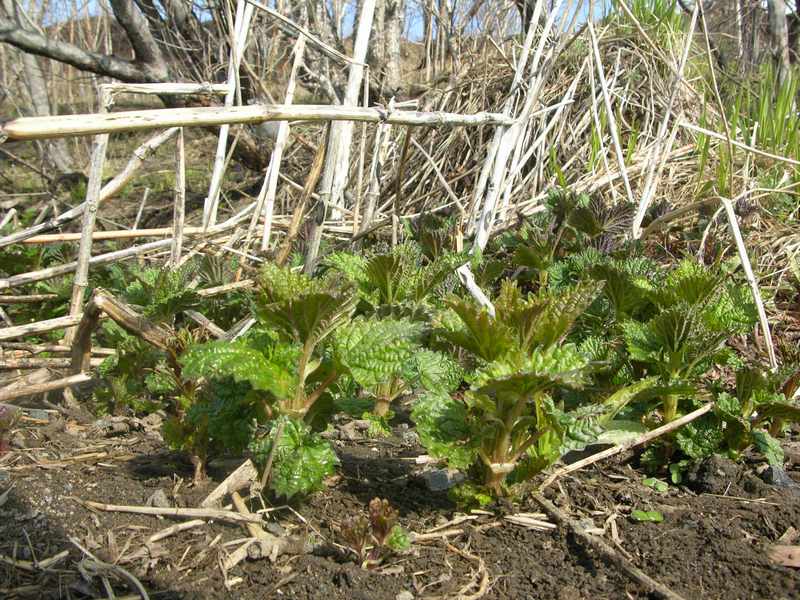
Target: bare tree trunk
x,y
794,34
779,33
385,55
55,153
395,21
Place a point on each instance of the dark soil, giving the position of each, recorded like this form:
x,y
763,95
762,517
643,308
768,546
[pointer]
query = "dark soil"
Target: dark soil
x,y
711,544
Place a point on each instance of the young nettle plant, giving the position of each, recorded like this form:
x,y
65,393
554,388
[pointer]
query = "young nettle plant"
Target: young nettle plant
x,y
572,224
160,295
510,419
756,413
307,338
374,536
400,283
695,310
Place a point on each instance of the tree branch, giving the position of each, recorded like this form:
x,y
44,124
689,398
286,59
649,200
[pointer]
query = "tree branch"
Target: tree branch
x,y
138,31
94,62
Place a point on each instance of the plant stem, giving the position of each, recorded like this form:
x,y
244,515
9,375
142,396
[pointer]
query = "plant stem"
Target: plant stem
x,y
382,405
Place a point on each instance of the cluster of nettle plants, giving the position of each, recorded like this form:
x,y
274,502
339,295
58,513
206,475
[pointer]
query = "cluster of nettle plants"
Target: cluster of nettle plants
x,y
590,340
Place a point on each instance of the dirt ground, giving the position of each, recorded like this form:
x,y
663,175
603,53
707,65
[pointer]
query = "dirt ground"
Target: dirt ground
x,y
712,542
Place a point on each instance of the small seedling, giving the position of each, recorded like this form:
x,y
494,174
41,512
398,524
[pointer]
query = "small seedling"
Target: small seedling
x,y
656,484
647,516
374,537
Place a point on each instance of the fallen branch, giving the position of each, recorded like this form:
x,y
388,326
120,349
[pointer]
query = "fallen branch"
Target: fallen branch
x,y
243,476
642,439
180,513
122,314
16,390
37,128
165,533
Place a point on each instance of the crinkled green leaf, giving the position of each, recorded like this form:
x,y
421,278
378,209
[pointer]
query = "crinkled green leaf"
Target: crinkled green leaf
x,y
301,462
438,371
375,350
479,334
443,427
769,447
220,360
700,438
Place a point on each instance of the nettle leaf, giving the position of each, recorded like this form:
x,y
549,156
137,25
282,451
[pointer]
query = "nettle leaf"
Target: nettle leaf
x,y
563,309
480,334
385,273
728,407
780,410
430,277
281,284
162,293
376,350
310,318
438,371
352,266
733,312
689,283
630,393
220,360
302,460
700,438
769,447
229,409
581,427
161,380
624,292
443,427
527,375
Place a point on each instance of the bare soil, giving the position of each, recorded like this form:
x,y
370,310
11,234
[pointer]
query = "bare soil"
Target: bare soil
x,y
712,543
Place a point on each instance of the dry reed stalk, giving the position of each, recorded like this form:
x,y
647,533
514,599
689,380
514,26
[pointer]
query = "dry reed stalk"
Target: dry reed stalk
x,y
337,158
93,187
751,280
266,197
18,331
660,148
241,27
36,128
17,391
179,209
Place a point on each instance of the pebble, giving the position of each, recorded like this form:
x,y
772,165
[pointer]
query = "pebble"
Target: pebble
x,y
439,480
159,500
404,595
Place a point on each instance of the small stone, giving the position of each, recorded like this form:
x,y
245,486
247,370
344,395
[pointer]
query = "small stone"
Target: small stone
x,y
354,430
411,438
17,441
779,478
159,500
440,480
404,595
274,528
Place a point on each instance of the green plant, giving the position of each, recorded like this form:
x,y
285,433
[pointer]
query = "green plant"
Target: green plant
x,y
510,419
696,310
401,282
755,414
301,461
306,341
374,536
